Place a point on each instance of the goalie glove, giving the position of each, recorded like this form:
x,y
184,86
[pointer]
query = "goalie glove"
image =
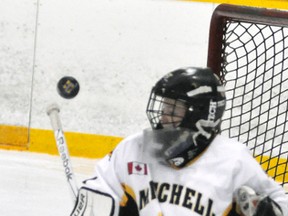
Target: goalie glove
x,y
251,204
91,203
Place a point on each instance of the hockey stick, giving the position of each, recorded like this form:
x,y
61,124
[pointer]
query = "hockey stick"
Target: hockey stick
x,y
53,112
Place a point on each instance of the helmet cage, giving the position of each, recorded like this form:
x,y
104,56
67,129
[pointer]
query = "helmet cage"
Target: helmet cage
x,y
164,112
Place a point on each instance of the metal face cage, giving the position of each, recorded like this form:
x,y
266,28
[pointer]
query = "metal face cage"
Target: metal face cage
x,y
165,112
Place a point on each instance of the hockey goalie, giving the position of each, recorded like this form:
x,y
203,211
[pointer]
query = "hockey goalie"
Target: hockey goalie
x,y
182,165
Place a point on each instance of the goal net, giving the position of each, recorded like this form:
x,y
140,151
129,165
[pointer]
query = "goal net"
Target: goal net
x,y
248,49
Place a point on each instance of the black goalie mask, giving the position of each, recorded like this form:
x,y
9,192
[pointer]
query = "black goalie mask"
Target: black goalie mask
x,y
185,110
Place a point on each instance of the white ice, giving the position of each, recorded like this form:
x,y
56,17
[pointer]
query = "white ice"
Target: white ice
x,y
35,184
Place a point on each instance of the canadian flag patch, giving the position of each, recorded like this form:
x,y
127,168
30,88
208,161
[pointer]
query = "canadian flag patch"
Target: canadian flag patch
x,y
137,168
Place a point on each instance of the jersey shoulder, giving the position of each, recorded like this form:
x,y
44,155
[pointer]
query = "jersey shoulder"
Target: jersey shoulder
x,y
130,146
229,147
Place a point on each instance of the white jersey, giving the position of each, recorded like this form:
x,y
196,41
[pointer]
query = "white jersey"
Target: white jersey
x,y
204,187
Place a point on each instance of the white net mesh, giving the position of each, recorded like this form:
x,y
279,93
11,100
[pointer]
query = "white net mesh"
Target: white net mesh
x,y
254,69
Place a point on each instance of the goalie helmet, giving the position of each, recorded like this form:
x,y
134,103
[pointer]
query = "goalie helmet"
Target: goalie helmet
x,y
190,101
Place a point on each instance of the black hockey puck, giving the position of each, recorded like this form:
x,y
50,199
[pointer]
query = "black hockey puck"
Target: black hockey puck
x,y
68,87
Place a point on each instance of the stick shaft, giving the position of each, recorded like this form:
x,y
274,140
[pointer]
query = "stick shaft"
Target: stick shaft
x,y
60,139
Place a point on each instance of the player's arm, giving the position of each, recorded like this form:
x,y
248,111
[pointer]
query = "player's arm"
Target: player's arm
x,y
270,194
249,203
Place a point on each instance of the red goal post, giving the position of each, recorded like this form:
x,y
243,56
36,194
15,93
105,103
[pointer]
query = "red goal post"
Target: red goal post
x,y
248,49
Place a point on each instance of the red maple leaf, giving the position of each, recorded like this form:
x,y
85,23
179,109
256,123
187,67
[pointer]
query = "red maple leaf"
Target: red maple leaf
x,y
138,168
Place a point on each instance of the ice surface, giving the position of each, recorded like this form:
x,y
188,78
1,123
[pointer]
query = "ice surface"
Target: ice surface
x,y
35,185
